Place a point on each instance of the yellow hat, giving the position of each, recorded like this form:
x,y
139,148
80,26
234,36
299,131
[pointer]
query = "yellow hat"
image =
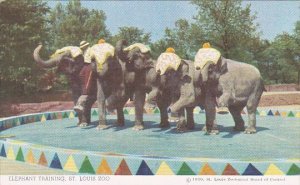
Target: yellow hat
x,y
170,50
101,41
206,45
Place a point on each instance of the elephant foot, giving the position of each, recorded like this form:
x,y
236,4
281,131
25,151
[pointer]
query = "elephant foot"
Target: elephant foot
x,y
181,126
84,124
238,128
212,131
164,125
222,110
173,119
102,127
250,130
138,127
191,126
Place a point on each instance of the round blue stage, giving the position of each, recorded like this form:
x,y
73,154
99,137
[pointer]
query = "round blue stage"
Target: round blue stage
x,y
276,141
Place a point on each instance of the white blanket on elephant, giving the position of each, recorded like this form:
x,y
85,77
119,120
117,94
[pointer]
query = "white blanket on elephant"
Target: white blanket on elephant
x,y
205,55
101,52
142,47
75,51
167,61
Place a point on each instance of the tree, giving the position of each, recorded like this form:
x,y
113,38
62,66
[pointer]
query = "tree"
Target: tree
x,y
283,59
186,38
227,25
132,35
23,26
73,23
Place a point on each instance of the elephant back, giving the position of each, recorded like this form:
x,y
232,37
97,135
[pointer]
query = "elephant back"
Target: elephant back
x,y
167,61
100,53
205,55
75,51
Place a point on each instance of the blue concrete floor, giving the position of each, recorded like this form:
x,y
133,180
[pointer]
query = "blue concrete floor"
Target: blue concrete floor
x,y
277,138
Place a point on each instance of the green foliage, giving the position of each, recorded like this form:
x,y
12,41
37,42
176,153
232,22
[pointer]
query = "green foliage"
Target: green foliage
x,y
282,59
132,35
186,38
73,23
227,25
23,26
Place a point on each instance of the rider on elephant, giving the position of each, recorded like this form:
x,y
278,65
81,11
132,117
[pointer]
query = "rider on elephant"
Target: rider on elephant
x,y
208,54
88,75
87,78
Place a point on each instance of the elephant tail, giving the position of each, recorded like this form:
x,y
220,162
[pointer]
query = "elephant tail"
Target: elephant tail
x,y
263,85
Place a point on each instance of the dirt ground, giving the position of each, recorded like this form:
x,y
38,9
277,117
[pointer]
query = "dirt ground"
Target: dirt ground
x,y
290,99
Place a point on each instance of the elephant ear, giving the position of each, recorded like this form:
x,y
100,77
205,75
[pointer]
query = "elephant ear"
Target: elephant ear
x,y
185,69
222,65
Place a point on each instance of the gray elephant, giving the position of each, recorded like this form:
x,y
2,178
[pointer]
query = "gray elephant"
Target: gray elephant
x,y
107,86
236,85
163,89
69,61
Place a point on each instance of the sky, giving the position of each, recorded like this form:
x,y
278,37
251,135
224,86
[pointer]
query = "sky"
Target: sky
x,y
273,17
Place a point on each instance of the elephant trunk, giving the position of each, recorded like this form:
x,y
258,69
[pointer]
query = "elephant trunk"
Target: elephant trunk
x,y
45,64
121,44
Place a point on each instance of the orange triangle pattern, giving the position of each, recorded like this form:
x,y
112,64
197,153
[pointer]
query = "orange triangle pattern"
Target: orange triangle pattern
x,y
43,160
104,168
30,157
207,170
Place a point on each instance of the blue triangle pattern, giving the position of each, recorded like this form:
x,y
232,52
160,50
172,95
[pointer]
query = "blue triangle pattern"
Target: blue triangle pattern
x,y
251,170
3,153
22,121
144,169
55,163
270,113
49,117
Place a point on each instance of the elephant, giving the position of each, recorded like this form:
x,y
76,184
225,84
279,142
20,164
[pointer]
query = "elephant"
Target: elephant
x,y
173,89
163,89
236,85
108,85
69,61
111,92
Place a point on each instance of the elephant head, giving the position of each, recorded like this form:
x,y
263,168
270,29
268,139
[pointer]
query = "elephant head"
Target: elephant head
x,y
136,56
212,71
65,61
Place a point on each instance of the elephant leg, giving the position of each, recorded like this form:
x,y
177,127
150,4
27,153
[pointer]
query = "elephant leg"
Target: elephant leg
x,y
190,118
120,117
252,104
210,113
251,129
80,108
153,96
187,95
238,120
181,124
139,102
163,107
120,113
223,102
88,107
76,92
101,105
